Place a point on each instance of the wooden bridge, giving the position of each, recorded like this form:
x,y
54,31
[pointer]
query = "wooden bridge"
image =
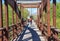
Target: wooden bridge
x,y
17,32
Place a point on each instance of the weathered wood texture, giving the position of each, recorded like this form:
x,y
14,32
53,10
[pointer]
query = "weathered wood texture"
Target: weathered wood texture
x,y
54,13
7,19
48,17
1,22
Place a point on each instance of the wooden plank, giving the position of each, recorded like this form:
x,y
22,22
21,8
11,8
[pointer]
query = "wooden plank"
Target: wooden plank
x,y
30,5
54,13
1,20
48,17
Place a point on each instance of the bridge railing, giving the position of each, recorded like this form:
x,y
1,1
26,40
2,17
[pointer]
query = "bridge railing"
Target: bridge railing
x,y
54,33
8,33
49,31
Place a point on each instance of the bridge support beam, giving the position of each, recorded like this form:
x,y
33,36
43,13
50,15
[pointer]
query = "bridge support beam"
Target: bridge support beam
x,y
41,17
22,12
7,20
1,21
38,19
13,23
54,13
48,18
21,19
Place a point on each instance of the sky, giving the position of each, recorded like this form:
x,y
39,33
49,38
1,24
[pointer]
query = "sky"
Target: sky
x,y
34,9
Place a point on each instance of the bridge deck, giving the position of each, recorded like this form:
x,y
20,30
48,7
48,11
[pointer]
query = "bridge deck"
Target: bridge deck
x,y
31,34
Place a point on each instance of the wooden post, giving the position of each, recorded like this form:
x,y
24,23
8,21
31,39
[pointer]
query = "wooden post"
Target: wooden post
x,y
54,13
38,17
16,18
1,21
7,21
16,13
19,13
15,27
20,10
41,13
13,22
21,18
45,17
48,17
12,16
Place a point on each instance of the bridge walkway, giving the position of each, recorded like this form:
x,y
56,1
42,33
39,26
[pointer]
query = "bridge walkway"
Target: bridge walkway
x,y
31,33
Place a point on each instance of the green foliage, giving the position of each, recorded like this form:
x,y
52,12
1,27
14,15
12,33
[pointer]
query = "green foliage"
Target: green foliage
x,y
25,14
10,14
57,14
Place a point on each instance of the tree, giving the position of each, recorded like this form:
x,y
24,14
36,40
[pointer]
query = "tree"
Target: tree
x,y
25,14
